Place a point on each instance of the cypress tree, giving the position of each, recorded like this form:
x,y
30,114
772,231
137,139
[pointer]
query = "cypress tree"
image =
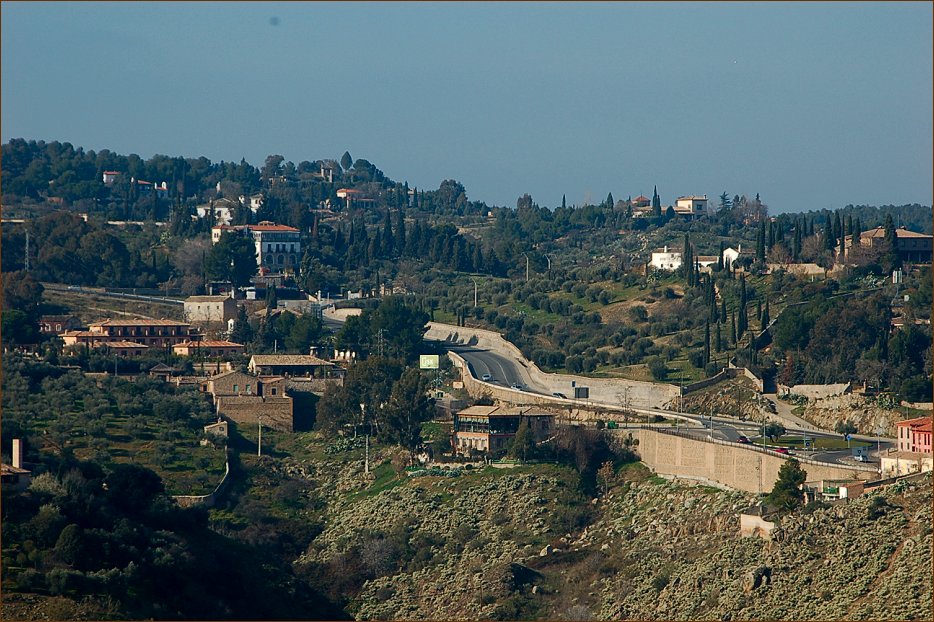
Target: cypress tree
x,y
733,328
837,225
656,204
723,311
718,340
706,342
765,315
720,257
759,309
829,239
564,202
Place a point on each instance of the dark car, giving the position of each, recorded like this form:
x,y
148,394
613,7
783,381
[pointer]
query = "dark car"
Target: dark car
x,y
742,439
561,395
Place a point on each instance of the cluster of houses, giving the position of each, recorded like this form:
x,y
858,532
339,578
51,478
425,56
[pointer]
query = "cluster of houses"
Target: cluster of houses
x,y
911,247
136,337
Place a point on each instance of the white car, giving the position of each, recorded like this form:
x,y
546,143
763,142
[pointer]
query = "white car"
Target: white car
x,y
516,386
486,377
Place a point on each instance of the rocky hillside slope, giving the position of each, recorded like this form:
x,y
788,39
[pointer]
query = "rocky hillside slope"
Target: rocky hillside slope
x,y
522,543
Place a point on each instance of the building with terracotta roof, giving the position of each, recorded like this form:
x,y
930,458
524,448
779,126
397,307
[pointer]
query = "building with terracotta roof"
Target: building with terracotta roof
x,y
293,365
911,246
110,177
208,347
915,435
278,247
352,197
160,333
490,429
691,207
57,324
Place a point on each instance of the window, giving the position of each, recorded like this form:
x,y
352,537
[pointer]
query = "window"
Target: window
x,y
273,389
248,387
236,388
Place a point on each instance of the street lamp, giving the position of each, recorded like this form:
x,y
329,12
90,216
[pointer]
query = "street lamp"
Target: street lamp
x,y
366,460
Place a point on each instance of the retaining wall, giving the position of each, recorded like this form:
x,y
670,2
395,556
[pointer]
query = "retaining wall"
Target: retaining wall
x,y
730,464
815,391
187,501
725,374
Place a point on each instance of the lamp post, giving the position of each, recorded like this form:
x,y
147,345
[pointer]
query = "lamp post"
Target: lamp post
x,y
366,459
474,292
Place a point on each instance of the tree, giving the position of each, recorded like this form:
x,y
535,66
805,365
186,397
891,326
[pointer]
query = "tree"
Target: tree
x,y
765,315
718,340
242,331
346,161
232,259
272,300
786,493
522,446
408,408
21,292
656,204
725,203
606,475
845,427
773,430
658,368
706,342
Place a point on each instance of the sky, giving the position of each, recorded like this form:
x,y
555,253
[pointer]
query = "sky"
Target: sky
x,y
811,105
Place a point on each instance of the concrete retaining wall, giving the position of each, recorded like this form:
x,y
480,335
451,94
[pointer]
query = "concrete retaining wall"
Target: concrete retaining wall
x,y
730,464
815,391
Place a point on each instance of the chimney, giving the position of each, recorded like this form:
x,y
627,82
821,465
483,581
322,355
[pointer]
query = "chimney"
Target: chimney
x,y
18,453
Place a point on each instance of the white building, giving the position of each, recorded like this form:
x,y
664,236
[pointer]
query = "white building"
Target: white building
x,y
210,309
666,260
691,206
730,255
223,211
278,247
110,177
254,201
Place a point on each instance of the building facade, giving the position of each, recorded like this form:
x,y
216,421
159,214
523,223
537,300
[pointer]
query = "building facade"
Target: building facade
x,y
278,247
161,333
691,206
490,429
208,347
914,435
911,246
664,259
210,309
293,365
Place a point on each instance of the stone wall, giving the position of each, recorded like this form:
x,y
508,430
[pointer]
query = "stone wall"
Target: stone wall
x,y
815,391
312,385
246,410
725,374
738,466
208,500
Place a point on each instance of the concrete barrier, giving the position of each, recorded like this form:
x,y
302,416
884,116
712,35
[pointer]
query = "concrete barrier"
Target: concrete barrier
x,y
737,466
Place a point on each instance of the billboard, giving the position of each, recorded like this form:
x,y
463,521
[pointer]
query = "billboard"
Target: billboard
x,y
429,361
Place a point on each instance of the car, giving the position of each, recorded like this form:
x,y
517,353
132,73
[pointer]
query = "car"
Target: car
x,y
780,450
742,439
486,377
516,386
561,395
861,458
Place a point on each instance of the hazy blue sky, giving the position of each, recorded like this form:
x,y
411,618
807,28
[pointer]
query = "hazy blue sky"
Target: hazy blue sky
x,y
811,105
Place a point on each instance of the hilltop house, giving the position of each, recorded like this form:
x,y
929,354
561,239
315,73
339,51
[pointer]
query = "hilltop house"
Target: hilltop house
x,y
663,259
278,247
490,429
691,207
911,246
293,365
730,255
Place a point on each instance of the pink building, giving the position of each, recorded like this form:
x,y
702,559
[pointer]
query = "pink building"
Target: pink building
x,y
914,435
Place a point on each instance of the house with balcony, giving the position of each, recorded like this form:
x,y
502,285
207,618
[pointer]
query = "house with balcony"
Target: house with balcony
x,y
490,429
691,207
278,247
152,333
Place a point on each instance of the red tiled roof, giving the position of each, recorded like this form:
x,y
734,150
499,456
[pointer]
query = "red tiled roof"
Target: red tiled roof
x,y
921,424
208,343
879,232
125,344
140,322
112,173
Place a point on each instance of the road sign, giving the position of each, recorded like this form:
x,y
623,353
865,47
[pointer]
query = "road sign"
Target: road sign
x,y
429,361
581,393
